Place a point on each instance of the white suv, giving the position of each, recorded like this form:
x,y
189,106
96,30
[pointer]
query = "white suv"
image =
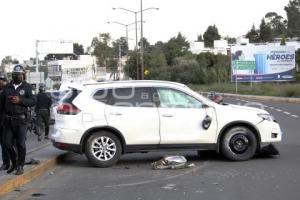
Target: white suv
x,y
105,120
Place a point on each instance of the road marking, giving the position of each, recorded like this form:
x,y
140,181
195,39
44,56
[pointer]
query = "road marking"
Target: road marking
x,y
193,170
287,113
271,107
295,116
278,110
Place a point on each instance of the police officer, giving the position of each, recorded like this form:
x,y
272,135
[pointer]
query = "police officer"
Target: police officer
x,y
15,99
5,158
42,110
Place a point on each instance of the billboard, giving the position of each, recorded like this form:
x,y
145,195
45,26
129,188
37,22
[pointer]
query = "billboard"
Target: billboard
x,y
262,63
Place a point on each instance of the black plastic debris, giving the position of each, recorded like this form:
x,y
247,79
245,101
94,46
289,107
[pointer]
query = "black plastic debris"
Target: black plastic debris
x,y
269,150
172,162
32,161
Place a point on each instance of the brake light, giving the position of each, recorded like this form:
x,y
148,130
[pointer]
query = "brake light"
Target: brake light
x,y
67,109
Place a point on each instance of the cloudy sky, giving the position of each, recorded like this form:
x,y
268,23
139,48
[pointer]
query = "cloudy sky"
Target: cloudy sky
x,y
24,21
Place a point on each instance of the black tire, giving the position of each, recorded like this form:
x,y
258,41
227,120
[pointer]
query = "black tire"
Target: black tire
x,y
238,144
101,155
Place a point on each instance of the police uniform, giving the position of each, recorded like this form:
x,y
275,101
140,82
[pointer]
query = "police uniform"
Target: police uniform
x,y
42,109
15,120
5,157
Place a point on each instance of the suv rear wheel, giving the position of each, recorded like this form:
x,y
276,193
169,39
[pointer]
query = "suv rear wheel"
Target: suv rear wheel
x,y
239,143
103,149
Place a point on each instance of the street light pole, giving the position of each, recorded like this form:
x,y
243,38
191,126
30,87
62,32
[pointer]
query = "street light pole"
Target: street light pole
x,y
136,37
142,43
136,47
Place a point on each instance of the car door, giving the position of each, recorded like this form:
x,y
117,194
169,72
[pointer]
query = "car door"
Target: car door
x,y
181,118
133,113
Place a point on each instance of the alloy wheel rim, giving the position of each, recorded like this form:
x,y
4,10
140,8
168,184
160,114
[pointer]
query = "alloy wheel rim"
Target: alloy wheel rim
x,y
103,148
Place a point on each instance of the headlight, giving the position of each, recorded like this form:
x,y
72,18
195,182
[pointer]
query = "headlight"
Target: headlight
x,y
266,116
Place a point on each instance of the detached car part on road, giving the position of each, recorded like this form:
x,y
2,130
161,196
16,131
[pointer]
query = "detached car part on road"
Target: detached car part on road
x,y
105,120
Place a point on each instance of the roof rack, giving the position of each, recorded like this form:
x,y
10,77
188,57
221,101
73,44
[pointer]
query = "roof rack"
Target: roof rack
x,y
136,81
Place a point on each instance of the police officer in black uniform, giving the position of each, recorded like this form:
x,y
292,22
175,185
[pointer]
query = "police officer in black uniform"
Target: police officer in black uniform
x,y
15,99
5,158
42,110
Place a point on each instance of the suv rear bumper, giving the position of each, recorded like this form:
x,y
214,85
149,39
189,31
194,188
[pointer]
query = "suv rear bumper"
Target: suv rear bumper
x,y
67,147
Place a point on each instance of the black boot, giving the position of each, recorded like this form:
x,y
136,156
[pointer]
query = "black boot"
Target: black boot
x,y
11,168
4,167
20,170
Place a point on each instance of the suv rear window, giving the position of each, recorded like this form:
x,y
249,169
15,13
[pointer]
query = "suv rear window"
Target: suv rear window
x,y
70,96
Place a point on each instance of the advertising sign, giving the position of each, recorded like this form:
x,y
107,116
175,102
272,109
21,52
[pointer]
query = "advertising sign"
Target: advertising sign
x,y
262,63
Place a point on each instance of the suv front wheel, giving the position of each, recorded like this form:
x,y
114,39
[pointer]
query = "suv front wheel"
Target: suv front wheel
x,y
239,143
103,149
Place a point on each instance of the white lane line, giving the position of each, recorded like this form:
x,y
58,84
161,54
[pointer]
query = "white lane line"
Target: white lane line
x,y
278,110
271,107
295,116
287,113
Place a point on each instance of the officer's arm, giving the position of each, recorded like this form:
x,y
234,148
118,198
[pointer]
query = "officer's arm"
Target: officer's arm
x,y
29,100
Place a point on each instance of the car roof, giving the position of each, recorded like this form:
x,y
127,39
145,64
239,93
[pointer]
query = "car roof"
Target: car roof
x,y
131,83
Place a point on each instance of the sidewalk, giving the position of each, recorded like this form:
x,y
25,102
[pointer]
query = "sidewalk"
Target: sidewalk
x,y
47,155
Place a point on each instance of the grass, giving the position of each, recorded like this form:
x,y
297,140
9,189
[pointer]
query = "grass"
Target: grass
x,y
280,89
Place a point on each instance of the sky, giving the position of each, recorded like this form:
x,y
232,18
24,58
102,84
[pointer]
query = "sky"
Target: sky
x,y
25,21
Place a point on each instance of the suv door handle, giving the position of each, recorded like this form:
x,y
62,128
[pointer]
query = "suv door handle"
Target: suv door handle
x,y
167,115
116,113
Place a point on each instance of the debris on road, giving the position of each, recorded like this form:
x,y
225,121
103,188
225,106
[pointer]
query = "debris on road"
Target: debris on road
x,y
172,162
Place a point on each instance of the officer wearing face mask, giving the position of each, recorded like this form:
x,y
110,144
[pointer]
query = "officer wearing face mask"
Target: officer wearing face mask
x,y
14,101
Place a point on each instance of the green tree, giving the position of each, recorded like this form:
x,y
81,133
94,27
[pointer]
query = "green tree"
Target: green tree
x,y
200,38
282,42
78,49
123,45
102,50
175,47
253,35
277,23
293,17
210,35
230,40
265,32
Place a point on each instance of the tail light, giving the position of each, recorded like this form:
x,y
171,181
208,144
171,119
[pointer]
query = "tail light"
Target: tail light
x,y
67,109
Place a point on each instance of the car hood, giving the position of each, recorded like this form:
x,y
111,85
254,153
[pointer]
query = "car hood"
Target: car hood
x,y
237,107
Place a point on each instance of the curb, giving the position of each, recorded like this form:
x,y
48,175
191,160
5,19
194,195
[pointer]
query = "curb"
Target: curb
x,y
32,173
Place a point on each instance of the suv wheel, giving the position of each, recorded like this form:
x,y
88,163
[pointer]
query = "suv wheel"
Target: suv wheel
x,y
103,149
239,143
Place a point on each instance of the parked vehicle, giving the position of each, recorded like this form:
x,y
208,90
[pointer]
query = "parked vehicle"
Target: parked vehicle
x,y
55,95
108,119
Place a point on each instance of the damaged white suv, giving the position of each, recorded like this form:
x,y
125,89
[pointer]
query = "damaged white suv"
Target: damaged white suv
x,y
105,120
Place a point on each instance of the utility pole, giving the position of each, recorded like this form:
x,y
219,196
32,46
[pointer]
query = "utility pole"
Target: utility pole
x,y
142,43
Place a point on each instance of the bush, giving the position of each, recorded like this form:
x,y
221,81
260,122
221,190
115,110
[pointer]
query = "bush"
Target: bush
x,y
265,89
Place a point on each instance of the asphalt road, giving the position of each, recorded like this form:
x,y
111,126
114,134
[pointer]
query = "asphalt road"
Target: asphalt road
x,y
212,178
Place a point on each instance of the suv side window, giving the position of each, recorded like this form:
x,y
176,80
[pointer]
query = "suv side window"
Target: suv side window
x,y
170,98
102,95
132,97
